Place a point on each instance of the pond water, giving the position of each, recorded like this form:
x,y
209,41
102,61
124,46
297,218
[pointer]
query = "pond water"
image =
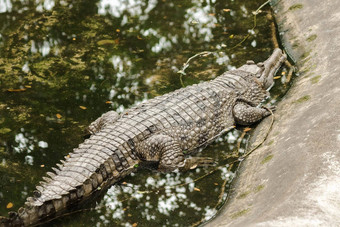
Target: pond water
x,y
64,63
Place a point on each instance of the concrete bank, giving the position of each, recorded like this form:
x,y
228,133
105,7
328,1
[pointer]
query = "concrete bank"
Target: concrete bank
x,y
293,179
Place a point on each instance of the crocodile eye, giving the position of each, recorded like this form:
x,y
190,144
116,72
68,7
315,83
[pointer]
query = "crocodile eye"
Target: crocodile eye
x,y
261,66
250,62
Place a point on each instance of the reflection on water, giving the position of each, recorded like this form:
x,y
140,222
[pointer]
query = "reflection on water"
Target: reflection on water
x,y
63,63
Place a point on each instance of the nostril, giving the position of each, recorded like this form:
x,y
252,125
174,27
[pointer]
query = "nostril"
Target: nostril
x,y
260,64
250,62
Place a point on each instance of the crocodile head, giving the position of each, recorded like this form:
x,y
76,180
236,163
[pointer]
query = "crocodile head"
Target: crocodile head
x,y
265,71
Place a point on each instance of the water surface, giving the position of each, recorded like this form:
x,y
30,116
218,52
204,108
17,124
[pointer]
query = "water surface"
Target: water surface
x,y
64,63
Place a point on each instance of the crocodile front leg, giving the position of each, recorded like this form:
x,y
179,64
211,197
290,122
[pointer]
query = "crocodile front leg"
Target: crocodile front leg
x,y
165,150
245,114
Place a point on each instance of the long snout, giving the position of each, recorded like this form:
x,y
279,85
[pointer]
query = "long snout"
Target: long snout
x,y
271,65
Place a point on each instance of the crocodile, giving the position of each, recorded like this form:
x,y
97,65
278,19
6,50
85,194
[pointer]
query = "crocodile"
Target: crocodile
x,y
161,130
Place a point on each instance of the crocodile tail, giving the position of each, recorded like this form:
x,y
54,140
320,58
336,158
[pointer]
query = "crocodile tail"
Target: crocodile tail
x,y
43,207
20,218
6,222
84,174
35,212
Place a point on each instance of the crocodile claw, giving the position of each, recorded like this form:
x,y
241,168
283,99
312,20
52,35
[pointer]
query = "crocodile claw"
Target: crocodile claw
x,y
195,162
270,109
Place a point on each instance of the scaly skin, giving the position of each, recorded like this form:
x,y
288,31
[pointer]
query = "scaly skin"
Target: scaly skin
x,y
159,130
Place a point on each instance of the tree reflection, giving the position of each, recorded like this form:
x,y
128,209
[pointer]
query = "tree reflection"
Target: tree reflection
x,y
58,55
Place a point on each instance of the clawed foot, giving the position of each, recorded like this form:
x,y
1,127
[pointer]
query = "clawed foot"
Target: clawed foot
x,y
270,109
194,162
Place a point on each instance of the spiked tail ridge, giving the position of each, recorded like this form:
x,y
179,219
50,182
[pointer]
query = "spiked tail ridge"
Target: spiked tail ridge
x,y
72,184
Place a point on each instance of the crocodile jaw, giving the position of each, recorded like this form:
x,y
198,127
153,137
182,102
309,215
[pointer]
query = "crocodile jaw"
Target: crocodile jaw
x,y
271,65
265,71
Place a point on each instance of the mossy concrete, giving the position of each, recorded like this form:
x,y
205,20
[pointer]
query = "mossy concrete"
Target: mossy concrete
x,y
300,183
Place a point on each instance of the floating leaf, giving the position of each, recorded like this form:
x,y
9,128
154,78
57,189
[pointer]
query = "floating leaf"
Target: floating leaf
x,y
28,86
108,102
231,36
106,42
215,183
42,166
117,30
9,205
134,225
5,130
211,14
194,22
226,10
83,107
197,189
138,37
58,116
16,90
277,77
193,167
74,38
247,129
124,182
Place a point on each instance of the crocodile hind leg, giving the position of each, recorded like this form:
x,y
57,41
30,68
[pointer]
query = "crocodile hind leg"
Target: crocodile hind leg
x,y
246,114
165,150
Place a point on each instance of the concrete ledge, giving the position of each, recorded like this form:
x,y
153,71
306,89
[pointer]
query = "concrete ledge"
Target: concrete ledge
x,y
293,179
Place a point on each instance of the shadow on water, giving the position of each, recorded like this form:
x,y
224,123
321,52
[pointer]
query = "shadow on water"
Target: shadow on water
x,y
64,63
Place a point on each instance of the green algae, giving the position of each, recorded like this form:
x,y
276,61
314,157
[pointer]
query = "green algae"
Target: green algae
x,y
259,188
295,7
305,55
303,99
267,159
312,38
5,130
315,79
243,195
270,142
239,213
